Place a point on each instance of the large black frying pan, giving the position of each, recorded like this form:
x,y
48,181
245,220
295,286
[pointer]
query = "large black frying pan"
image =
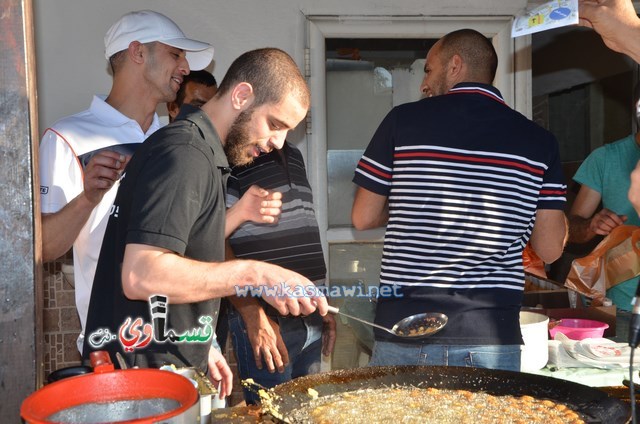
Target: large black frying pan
x,y
594,405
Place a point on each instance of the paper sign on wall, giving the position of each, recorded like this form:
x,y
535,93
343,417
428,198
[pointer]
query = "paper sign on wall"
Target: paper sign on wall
x,y
552,14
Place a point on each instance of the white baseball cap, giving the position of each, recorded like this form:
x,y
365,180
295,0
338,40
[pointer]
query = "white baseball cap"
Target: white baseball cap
x,y
146,26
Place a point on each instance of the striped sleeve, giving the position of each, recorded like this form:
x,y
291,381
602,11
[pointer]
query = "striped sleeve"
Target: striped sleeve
x,y
374,170
553,193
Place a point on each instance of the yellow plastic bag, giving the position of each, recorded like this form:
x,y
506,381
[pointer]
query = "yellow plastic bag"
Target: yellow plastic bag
x,y
614,260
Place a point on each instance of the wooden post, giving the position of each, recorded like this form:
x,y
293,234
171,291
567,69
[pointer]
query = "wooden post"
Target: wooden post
x,y
20,250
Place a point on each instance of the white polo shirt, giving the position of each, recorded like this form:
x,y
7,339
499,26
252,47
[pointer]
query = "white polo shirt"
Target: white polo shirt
x,y
65,149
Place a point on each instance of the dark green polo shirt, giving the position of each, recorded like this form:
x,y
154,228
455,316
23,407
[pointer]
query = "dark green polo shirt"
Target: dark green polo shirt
x,y
171,196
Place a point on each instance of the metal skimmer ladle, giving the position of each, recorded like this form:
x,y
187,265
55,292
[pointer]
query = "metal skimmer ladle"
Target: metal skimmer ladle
x,y
414,326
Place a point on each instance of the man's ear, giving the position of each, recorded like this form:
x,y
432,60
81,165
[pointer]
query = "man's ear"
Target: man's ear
x,y
135,51
172,109
455,66
242,96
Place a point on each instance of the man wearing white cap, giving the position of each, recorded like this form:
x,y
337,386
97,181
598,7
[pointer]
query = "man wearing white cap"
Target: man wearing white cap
x,y
82,156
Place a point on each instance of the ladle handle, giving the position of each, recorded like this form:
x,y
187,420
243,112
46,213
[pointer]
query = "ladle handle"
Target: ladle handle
x,y
335,310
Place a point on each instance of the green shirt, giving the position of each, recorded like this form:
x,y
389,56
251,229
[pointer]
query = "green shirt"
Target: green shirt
x,y
606,170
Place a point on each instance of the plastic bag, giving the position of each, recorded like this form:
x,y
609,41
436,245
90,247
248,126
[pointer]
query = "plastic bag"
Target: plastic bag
x,y
614,260
532,262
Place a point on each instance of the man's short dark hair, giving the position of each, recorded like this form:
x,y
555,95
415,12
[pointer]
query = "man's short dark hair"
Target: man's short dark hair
x,y
116,61
203,77
271,72
475,50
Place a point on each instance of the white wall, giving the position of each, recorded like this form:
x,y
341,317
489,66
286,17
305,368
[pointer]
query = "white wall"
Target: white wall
x,y
70,50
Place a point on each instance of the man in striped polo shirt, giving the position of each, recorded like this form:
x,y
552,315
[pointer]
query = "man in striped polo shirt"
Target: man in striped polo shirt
x,y
462,182
264,340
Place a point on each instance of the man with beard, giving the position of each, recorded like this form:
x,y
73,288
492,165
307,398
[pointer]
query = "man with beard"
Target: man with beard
x,y
166,233
261,206
462,182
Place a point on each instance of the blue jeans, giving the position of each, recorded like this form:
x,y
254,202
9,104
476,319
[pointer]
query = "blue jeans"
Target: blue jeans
x,y
301,335
502,357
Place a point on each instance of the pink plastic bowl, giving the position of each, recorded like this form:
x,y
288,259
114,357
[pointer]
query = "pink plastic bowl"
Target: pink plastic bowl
x,y
578,329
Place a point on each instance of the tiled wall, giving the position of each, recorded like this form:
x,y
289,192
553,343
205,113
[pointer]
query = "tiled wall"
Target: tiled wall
x,y
61,322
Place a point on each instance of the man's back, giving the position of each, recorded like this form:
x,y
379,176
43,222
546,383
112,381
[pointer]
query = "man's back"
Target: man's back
x,y
460,179
464,176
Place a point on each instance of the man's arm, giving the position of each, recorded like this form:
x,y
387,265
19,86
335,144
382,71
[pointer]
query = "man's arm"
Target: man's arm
x,y
617,23
147,270
60,229
219,371
584,224
634,189
370,210
257,205
263,333
549,234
